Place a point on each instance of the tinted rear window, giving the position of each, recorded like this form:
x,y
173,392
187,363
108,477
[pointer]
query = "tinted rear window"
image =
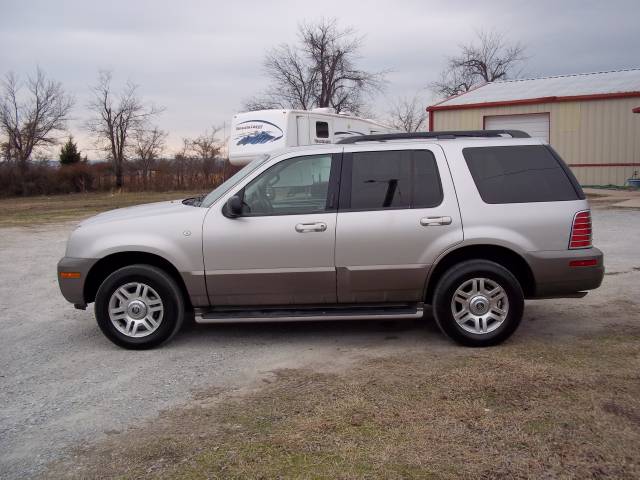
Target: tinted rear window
x,y
518,174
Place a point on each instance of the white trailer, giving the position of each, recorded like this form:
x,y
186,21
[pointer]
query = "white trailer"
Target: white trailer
x,y
263,131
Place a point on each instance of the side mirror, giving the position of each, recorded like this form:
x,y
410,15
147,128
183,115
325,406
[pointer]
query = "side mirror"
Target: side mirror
x,y
234,206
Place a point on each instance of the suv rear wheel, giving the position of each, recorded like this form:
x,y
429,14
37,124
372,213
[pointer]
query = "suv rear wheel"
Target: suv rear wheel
x,y
139,307
478,303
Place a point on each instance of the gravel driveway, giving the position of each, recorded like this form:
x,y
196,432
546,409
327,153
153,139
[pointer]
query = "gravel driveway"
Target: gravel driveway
x,y
64,384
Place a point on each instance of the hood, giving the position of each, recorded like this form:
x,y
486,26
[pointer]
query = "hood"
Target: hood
x,y
157,209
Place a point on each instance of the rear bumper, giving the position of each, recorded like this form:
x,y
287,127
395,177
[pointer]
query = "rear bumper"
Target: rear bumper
x,y
73,288
555,278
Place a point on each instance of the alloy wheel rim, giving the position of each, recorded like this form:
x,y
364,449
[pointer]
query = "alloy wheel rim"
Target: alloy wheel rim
x,y
136,310
480,306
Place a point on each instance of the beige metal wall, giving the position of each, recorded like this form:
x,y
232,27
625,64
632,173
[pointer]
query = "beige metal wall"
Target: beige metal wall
x,y
591,132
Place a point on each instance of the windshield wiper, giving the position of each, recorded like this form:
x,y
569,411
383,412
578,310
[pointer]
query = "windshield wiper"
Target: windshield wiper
x,y
194,201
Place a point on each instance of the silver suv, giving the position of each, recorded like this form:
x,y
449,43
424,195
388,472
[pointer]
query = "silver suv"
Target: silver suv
x,y
374,227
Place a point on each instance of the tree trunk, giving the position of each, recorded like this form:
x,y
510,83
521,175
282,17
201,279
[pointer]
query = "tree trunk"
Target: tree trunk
x,y
118,172
23,168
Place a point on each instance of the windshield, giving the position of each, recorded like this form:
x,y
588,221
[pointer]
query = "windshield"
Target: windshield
x,y
220,190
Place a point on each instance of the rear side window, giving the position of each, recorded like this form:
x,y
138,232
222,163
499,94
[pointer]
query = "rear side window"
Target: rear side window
x,y
519,174
393,179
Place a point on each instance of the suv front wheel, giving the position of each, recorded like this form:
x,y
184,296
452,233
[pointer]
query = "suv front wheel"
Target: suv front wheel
x,y
478,303
139,307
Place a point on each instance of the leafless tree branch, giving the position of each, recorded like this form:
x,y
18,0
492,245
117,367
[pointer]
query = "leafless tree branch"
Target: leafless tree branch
x,y
319,71
489,58
34,119
117,119
147,147
204,151
408,114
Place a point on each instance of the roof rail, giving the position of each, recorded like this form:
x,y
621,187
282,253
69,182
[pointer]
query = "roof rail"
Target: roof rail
x,y
439,135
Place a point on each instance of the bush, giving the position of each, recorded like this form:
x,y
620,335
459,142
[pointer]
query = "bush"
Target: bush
x,y
45,178
77,177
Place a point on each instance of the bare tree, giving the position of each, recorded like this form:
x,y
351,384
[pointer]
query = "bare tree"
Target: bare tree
x,y
454,81
35,119
207,145
408,114
263,102
6,152
293,79
116,120
147,148
181,162
206,148
319,71
489,58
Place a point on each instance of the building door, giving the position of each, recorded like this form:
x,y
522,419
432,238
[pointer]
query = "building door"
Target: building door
x,y
302,127
535,124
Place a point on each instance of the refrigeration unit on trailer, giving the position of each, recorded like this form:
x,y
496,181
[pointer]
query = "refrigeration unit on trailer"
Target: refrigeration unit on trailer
x,y
263,131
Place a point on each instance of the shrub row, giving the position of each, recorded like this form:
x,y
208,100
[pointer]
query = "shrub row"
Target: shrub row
x,y
47,179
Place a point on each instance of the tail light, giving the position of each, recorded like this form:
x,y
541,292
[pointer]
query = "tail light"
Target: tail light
x,y
581,230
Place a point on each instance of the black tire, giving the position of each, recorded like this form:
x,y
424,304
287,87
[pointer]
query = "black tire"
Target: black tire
x,y
168,292
456,277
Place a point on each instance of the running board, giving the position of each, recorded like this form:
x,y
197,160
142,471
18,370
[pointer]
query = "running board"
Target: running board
x,y
311,314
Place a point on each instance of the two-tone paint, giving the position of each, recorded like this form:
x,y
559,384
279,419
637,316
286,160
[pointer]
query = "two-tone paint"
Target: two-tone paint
x,y
358,257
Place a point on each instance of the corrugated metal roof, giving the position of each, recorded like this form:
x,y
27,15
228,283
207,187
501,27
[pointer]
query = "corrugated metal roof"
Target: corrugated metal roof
x,y
619,81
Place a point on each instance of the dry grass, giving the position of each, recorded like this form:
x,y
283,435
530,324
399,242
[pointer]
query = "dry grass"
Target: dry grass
x,y
517,411
27,211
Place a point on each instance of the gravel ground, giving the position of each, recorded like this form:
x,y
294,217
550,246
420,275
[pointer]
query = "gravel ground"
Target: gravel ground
x,y
64,384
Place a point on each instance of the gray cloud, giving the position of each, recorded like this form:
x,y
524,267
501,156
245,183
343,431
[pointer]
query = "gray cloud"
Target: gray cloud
x,y
201,59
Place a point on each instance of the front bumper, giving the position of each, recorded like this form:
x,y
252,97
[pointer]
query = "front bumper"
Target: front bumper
x,y
73,288
554,277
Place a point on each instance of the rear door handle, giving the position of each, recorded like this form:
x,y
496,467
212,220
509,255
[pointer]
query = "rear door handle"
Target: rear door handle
x,y
311,227
435,221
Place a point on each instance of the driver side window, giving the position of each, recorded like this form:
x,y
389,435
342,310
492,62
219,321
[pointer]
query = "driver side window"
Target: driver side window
x,y
294,186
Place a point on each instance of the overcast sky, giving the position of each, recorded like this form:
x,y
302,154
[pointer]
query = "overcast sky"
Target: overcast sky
x,y
202,59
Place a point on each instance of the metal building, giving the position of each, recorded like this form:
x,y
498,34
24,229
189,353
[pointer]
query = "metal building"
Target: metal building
x,y
591,119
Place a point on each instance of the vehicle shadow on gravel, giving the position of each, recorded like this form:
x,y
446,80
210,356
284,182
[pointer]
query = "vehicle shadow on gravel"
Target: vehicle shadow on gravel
x,y
344,333
561,319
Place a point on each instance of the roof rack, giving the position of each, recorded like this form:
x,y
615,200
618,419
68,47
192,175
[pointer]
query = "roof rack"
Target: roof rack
x,y
439,135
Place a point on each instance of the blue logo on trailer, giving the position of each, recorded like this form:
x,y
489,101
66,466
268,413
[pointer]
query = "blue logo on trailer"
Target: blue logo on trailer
x,y
257,133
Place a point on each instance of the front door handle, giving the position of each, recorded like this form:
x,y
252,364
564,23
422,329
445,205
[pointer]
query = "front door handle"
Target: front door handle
x,y
311,227
435,221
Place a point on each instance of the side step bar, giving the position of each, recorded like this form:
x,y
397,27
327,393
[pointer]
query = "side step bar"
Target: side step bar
x,y
310,314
